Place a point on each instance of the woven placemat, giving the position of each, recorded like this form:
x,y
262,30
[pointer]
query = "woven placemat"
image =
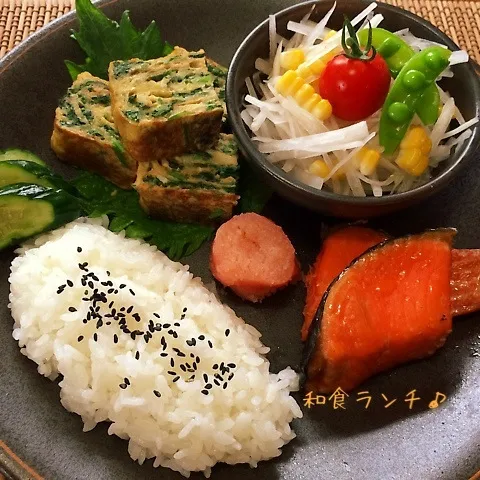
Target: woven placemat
x,y
460,20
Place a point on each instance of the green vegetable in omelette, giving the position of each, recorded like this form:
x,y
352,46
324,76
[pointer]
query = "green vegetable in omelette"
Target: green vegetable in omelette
x,y
418,74
397,53
104,40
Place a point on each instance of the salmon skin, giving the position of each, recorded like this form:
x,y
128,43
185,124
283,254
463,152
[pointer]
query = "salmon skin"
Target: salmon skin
x,y
465,281
339,249
390,306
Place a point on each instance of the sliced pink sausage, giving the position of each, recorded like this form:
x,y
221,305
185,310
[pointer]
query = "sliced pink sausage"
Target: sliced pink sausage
x,y
253,256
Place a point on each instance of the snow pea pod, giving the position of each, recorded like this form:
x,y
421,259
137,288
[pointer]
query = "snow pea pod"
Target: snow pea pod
x,y
396,52
418,74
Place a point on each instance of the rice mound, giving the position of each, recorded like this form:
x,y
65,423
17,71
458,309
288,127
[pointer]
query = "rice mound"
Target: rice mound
x,y
110,374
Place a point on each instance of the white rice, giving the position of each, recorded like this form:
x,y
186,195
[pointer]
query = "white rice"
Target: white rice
x,y
183,429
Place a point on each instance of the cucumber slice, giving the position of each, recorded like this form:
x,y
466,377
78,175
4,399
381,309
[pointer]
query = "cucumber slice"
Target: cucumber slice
x,y
18,154
27,210
20,171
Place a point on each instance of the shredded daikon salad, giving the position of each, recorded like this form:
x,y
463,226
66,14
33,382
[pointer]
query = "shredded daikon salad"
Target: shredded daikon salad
x,y
293,138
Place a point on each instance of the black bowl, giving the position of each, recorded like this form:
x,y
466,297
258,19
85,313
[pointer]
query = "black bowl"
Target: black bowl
x,y
465,87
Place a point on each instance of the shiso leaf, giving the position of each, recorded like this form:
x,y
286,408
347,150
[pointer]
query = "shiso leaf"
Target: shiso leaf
x,y
254,193
104,40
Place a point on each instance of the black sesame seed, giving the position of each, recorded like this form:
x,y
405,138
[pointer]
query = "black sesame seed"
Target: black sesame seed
x,y
84,282
172,362
137,317
231,365
185,309
108,323
164,354
85,320
210,344
217,375
170,372
194,366
170,332
175,335
157,393
94,277
197,359
215,366
129,309
225,385
72,309
85,292
166,325
176,324
90,284
227,332
115,338
181,354
69,283
182,316
123,386
109,291
137,355
132,292
146,338
230,376
192,355
208,386
79,249
110,305
205,377
151,328
126,380
99,323
191,378
122,285
80,338
216,382
95,336
175,379
156,315
205,392
133,335
183,368
191,343
201,337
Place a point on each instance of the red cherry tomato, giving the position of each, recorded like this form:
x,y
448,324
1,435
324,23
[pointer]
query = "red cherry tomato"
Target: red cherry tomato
x,y
355,88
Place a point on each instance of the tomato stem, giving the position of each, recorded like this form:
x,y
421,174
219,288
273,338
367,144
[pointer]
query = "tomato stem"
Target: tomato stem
x,y
351,44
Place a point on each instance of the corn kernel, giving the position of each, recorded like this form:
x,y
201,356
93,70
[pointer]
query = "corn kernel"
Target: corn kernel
x,y
291,59
285,81
304,71
416,137
305,93
295,86
330,34
319,168
414,151
310,104
322,110
318,66
292,84
412,161
368,160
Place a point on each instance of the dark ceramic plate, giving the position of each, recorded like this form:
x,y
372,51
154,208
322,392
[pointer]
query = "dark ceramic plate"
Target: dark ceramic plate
x,y
351,443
